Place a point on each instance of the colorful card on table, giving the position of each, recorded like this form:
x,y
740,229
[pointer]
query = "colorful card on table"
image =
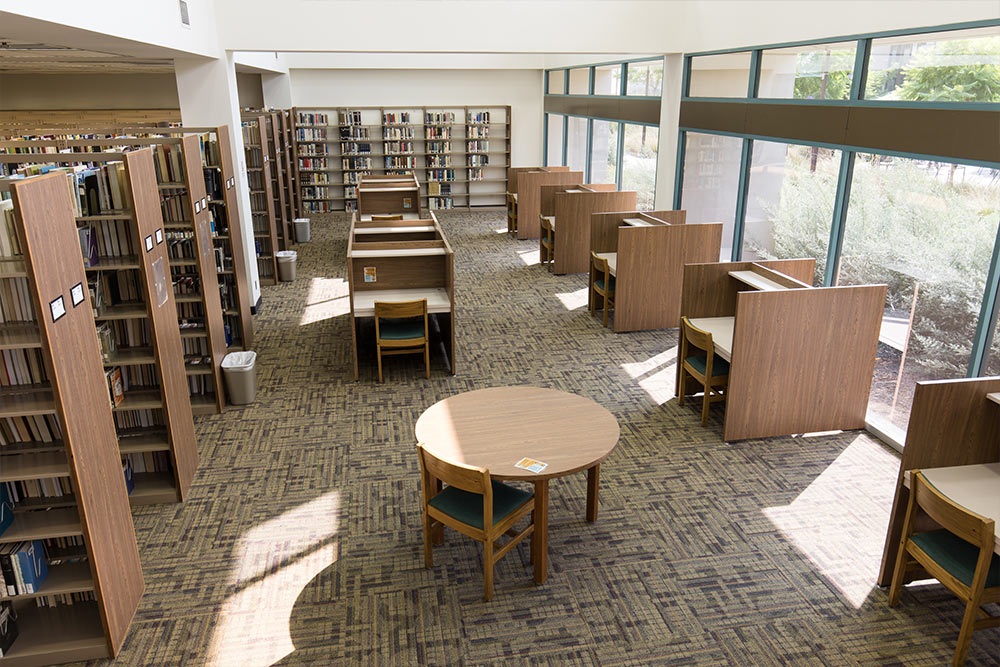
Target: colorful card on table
x,y
531,464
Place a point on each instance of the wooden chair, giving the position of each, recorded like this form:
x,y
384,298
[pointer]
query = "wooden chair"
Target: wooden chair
x,y
379,217
711,370
547,242
405,332
511,213
602,284
959,555
474,505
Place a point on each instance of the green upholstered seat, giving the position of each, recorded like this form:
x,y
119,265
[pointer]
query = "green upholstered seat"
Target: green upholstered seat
x,y
956,556
468,507
599,283
719,365
401,329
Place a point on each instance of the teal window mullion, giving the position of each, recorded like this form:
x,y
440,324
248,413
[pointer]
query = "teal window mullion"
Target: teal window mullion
x,y
983,338
685,77
545,133
590,148
624,80
859,79
621,156
590,85
741,200
545,82
753,85
838,224
565,140
679,168
565,82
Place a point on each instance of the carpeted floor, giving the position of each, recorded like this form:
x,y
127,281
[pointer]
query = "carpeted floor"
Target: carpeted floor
x,y
300,541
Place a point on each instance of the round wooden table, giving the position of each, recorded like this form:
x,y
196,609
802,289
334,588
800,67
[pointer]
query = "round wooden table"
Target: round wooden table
x,y
495,428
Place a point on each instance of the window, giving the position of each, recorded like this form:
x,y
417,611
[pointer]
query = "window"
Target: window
x,y
954,66
790,203
639,163
645,78
557,82
576,144
579,81
608,80
711,182
723,75
927,230
993,360
814,72
604,152
554,144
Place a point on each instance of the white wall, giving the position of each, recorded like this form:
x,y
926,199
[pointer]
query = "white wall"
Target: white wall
x,y
250,90
88,91
521,89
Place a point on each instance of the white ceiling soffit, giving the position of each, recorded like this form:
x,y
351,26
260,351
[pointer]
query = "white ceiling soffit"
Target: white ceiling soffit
x,y
18,57
448,60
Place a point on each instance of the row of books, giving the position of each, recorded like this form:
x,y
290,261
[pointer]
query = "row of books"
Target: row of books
x,y
168,160
23,567
350,118
479,117
439,118
351,191
214,187
254,157
211,154
316,178
315,192
398,147
393,133
311,118
438,188
437,132
399,162
439,160
440,174
204,385
438,146
46,487
355,133
307,134
149,462
477,160
258,201
136,419
29,428
113,288
313,163
395,118
22,366
317,206
476,174
353,147
356,163
436,203
251,132
316,150
478,132
477,146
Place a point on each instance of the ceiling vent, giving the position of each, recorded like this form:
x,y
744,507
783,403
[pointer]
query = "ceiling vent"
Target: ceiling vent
x,y
185,18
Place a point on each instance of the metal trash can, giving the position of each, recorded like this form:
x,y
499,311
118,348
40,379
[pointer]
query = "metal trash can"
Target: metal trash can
x,y
301,230
240,370
286,265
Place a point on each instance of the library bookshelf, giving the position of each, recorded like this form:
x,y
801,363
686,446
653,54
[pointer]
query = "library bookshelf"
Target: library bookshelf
x,y
258,146
14,122
205,151
289,182
459,154
274,147
128,276
87,533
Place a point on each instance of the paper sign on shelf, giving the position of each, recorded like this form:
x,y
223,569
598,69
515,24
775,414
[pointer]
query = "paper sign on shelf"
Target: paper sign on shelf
x,y
370,274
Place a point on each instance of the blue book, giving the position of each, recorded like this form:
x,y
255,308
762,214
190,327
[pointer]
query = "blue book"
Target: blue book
x,y
6,508
129,480
34,566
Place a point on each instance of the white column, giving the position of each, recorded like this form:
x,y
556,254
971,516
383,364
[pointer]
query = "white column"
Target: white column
x,y
208,97
277,90
670,115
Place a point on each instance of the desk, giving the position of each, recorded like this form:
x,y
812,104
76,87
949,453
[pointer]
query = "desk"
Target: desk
x,y
437,299
393,230
721,329
994,396
612,259
367,217
637,222
756,281
400,252
495,428
974,487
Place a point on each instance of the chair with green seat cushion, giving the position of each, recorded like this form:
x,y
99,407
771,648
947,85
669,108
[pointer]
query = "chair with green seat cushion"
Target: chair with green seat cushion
x,y
708,368
602,284
401,328
959,555
474,505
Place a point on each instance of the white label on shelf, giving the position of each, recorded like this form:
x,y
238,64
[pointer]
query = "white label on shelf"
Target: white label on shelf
x,y
149,243
58,308
204,203
159,236
76,294
197,207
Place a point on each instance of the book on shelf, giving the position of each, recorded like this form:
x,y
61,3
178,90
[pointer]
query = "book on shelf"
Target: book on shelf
x,y
481,117
396,118
350,118
308,134
129,476
6,508
400,162
440,117
354,147
8,627
440,174
251,132
437,132
476,174
313,163
477,146
350,132
438,146
311,118
477,160
116,386
23,567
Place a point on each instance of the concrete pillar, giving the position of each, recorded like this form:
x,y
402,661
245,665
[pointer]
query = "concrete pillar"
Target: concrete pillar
x,y
277,90
670,115
206,89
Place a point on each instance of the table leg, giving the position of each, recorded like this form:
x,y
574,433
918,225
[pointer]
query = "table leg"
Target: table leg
x,y
439,530
540,543
593,480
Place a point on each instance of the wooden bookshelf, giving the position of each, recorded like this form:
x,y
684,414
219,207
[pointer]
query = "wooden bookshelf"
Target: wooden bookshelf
x,y
96,514
14,123
257,146
274,148
154,419
288,169
459,154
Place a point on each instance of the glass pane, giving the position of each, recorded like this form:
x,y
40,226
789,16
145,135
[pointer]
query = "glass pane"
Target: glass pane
x,y
954,66
608,80
790,203
554,152
579,81
711,182
993,360
557,82
724,75
816,72
645,78
604,148
639,163
576,145
927,230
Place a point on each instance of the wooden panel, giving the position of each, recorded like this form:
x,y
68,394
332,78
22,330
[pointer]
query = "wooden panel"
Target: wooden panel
x,y
400,272
629,109
512,173
651,271
952,423
604,230
826,124
722,116
52,250
802,360
708,291
529,198
573,213
205,249
547,196
398,200
236,236
166,337
278,191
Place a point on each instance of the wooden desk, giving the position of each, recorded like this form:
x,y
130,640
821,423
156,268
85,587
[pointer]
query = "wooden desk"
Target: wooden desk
x,y
721,329
495,428
400,252
974,487
437,299
994,396
367,217
756,281
381,195
394,230
612,260
529,195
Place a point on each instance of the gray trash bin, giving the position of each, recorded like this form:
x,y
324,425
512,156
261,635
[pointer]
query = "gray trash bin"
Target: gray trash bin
x,y
301,230
286,265
240,370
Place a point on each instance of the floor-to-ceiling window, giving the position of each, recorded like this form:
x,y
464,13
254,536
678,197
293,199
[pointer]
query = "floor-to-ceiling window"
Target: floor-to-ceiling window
x,y
604,151
576,144
712,181
639,162
554,140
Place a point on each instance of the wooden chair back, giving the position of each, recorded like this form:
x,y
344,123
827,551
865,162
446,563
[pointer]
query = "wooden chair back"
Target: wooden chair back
x,y
956,519
400,309
696,337
384,216
461,476
600,264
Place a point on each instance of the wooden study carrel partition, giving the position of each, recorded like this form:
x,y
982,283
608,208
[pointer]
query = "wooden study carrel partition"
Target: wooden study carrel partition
x,y
647,251
801,358
528,191
401,260
387,195
571,211
952,423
